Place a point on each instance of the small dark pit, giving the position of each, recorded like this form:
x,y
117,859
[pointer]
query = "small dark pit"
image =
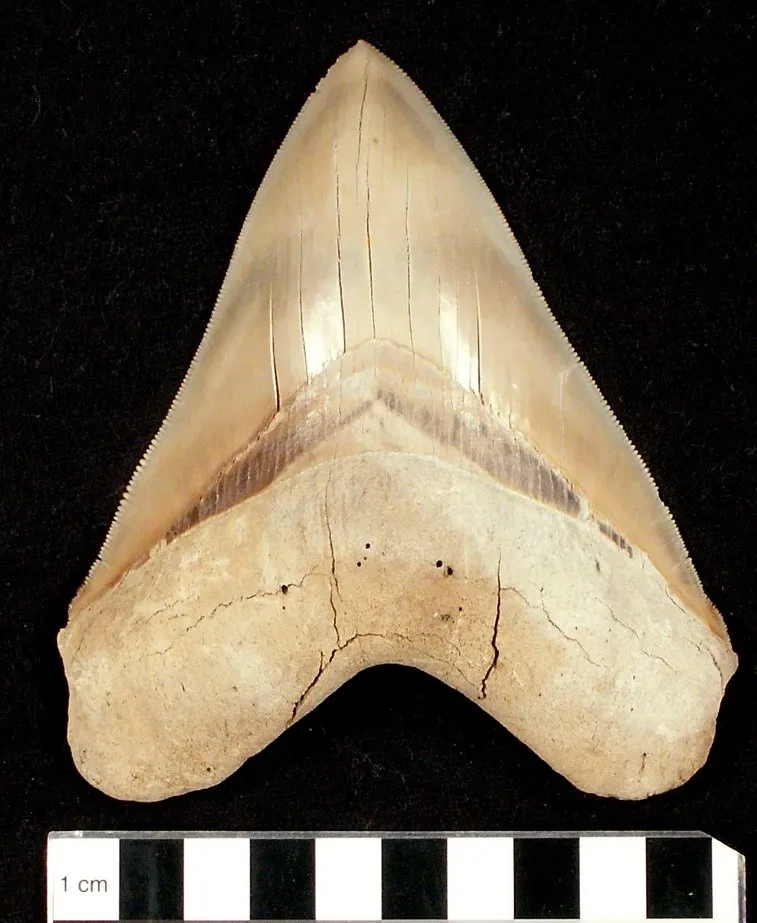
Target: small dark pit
x,y
439,563
450,572
284,588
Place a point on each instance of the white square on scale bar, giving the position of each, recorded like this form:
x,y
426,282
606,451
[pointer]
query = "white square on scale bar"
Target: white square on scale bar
x,y
82,878
348,878
480,878
612,881
216,878
726,875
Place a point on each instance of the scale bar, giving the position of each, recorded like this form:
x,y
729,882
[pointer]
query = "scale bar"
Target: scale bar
x,y
609,878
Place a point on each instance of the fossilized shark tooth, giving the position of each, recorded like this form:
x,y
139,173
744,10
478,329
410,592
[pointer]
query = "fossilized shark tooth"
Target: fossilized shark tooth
x,y
385,450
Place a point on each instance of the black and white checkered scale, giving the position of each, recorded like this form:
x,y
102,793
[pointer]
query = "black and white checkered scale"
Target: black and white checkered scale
x,y
337,877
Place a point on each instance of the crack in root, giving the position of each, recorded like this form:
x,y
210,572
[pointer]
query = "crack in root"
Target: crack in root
x,y
694,643
495,649
225,605
554,624
568,637
307,689
495,633
333,579
715,664
341,645
636,635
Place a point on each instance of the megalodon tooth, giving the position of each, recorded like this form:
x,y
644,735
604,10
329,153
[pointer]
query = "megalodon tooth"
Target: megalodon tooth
x,y
386,450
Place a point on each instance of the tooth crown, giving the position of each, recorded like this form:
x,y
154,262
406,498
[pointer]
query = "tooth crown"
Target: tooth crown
x,y
379,325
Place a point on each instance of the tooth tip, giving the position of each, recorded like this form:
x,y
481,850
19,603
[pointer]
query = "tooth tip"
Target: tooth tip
x,y
352,62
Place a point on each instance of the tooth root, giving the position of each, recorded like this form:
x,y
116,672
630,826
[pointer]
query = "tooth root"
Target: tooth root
x,y
378,311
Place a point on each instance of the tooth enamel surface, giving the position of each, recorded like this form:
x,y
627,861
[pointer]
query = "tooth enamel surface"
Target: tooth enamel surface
x,y
386,450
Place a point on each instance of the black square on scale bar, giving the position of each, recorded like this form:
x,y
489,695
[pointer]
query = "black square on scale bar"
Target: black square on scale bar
x,y
282,879
151,879
413,879
679,877
545,875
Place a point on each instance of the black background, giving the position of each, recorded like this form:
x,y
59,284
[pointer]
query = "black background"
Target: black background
x,y
618,139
